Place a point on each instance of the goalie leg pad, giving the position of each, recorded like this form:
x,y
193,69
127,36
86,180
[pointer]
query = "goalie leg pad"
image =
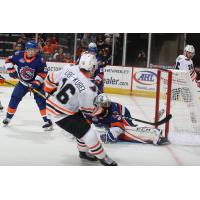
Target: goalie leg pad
x,y
147,134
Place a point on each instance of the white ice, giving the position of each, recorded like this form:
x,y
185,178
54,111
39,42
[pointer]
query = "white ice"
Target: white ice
x,y
24,142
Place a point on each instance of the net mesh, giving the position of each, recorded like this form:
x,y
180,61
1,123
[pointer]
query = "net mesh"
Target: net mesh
x,y
185,108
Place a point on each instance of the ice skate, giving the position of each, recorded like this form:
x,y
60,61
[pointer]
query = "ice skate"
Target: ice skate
x,y
6,121
108,161
1,108
87,156
48,126
162,141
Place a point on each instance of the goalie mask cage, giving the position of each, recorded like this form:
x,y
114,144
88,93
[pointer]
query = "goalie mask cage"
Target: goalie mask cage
x,y
176,94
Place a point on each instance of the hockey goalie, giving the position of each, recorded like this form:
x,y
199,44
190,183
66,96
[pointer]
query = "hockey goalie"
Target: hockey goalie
x,y
114,123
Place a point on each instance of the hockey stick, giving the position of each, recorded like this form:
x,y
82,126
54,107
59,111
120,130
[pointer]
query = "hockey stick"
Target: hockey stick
x,y
6,81
34,90
26,84
166,119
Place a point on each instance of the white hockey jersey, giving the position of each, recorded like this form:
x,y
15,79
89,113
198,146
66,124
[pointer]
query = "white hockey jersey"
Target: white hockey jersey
x,y
73,91
183,63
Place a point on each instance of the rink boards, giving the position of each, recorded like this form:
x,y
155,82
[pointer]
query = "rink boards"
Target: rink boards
x,y
117,79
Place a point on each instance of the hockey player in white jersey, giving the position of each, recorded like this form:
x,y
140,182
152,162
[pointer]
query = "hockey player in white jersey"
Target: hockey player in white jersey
x,y
71,95
184,62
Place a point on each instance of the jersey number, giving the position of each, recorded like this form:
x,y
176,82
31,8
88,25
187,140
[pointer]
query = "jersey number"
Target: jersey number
x,y
65,92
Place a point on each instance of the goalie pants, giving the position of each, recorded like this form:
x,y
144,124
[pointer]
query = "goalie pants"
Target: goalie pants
x,y
17,95
85,134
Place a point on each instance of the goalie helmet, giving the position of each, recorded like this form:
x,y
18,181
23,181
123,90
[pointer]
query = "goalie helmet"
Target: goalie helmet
x,y
88,62
102,100
190,48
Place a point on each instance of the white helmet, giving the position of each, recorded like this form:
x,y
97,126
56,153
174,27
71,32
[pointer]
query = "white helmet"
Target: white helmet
x,y
92,45
190,48
102,100
88,62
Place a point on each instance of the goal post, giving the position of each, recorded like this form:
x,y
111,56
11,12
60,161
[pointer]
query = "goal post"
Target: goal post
x,y
177,94
163,97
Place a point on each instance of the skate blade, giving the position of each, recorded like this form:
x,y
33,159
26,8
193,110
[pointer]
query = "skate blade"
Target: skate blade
x,y
49,128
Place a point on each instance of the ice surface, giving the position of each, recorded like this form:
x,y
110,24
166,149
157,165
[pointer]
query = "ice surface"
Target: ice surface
x,y
24,142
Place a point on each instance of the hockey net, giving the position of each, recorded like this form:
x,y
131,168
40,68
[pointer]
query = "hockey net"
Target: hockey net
x,y
177,94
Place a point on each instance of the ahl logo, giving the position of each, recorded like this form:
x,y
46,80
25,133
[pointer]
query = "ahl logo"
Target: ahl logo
x,y
27,73
145,77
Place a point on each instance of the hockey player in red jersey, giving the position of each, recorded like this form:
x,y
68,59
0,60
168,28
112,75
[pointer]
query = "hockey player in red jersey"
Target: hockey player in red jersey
x,y
115,124
31,69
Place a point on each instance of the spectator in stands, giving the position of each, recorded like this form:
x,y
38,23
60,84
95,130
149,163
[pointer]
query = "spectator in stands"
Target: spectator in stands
x,y
21,41
18,47
68,58
105,57
48,50
80,50
108,43
14,44
59,56
141,59
87,38
41,42
54,42
100,41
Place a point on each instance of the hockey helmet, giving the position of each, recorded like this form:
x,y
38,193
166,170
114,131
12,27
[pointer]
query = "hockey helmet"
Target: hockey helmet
x,y
92,47
88,62
102,100
190,48
31,45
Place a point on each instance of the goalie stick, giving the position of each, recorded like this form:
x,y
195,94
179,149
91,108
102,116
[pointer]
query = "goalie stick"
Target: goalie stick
x,y
166,119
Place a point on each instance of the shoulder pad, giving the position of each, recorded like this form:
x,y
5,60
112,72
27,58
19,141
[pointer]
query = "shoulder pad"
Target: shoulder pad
x,y
179,58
